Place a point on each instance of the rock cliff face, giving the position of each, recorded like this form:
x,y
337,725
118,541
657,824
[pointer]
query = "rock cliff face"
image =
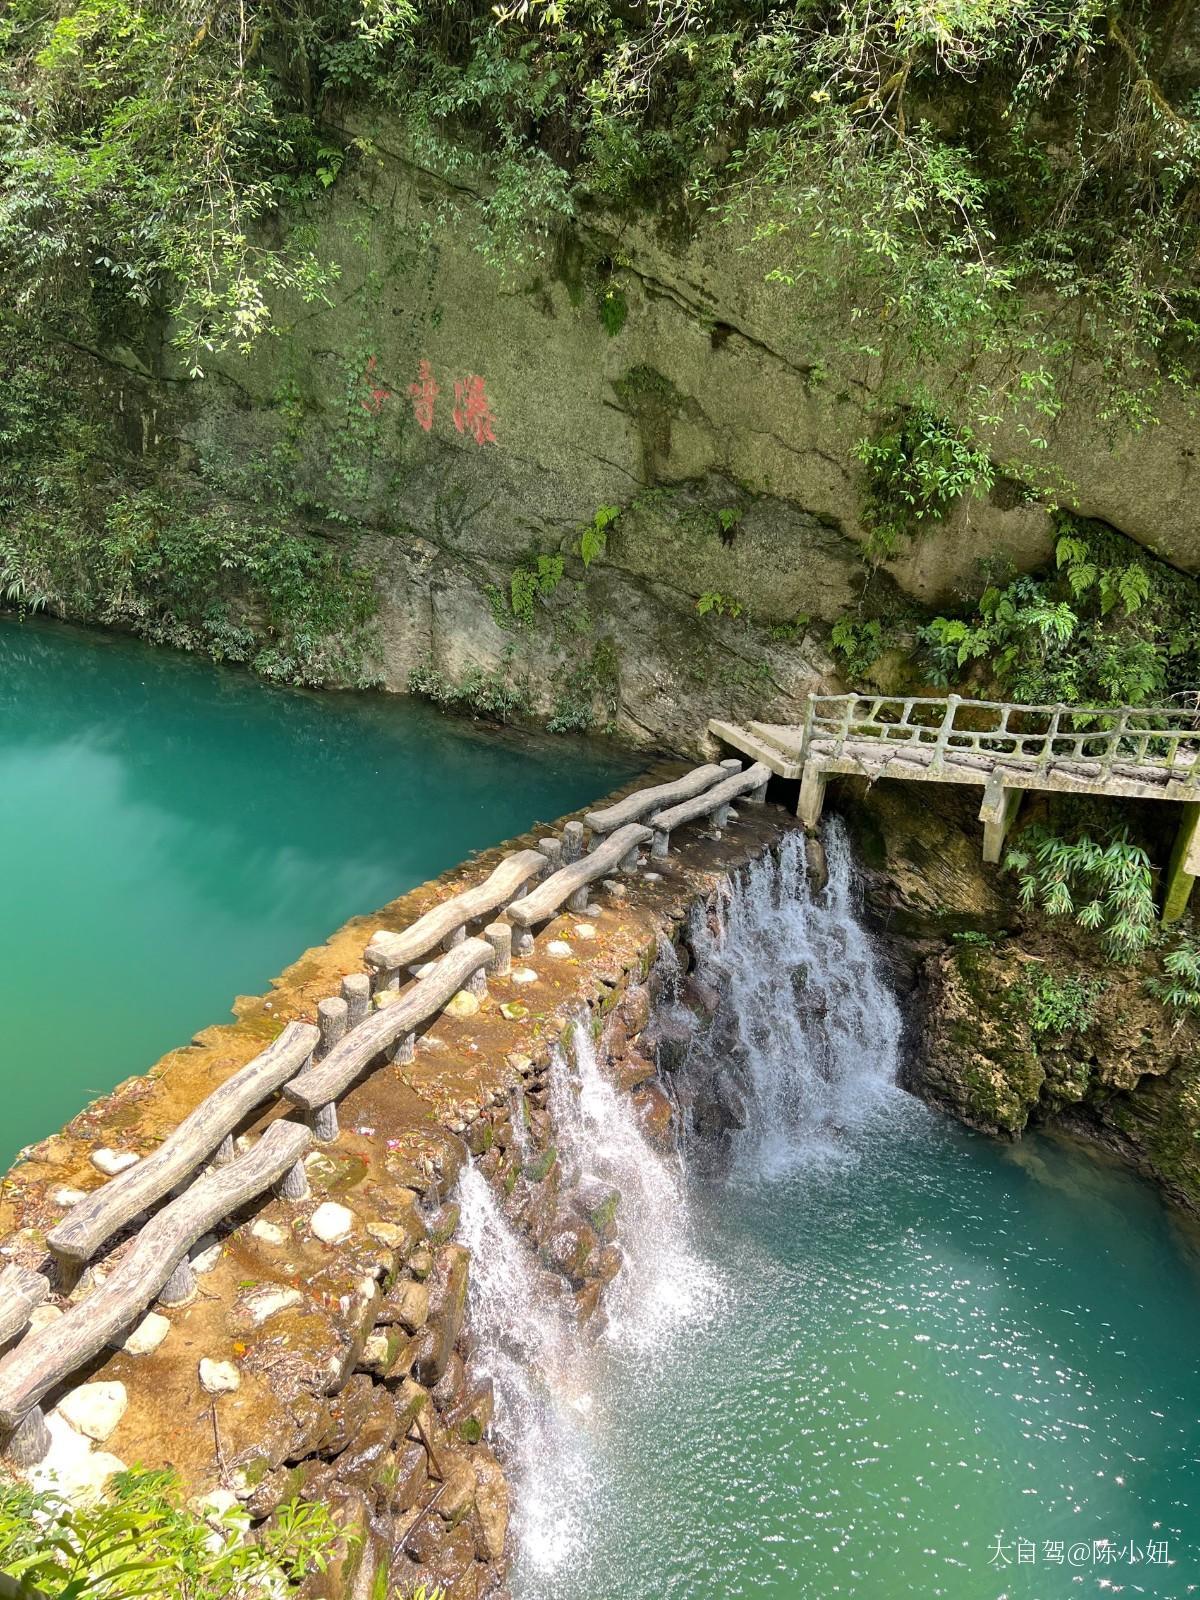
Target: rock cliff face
x,y
458,423
1124,1071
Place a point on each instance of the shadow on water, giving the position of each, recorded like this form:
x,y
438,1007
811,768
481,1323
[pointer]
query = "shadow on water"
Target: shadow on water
x,y
175,833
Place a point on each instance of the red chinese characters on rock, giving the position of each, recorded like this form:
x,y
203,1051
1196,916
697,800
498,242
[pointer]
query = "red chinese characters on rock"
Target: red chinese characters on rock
x,y
472,414
472,411
424,395
377,395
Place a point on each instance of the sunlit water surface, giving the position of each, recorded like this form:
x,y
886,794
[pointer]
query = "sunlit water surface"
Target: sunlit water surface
x,y
174,834
910,1356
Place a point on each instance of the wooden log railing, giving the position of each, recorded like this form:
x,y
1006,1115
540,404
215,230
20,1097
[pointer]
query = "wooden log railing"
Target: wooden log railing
x,y
570,883
387,953
310,1067
43,1360
208,1128
713,802
22,1291
321,1085
1103,739
643,801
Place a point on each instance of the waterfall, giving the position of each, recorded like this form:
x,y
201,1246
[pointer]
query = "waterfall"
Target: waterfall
x,y
524,1340
543,1371
661,1283
809,1031
806,1025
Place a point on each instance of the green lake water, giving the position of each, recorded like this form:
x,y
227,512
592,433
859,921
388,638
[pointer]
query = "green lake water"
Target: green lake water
x,y
867,1353
940,1344
174,834
873,1356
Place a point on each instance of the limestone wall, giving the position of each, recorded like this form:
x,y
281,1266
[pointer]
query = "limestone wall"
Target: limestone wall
x,y
721,425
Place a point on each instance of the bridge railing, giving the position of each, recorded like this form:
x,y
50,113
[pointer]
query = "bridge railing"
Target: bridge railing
x,y
1029,736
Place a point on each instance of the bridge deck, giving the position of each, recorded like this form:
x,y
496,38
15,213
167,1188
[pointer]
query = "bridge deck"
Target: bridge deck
x,y
1123,752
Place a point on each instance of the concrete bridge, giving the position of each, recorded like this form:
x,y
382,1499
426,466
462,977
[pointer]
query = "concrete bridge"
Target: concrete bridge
x,y
1007,749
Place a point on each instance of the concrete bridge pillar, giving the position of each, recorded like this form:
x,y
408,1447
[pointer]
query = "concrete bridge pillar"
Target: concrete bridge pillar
x,y
1184,867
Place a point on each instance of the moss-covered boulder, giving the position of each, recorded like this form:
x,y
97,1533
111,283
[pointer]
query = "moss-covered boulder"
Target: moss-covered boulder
x,y
978,1057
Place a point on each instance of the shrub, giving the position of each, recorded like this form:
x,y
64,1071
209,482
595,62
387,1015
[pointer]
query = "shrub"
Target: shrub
x,y
491,695
1060,1005
1109,625
1180,989
142,1540
917,469
1105,887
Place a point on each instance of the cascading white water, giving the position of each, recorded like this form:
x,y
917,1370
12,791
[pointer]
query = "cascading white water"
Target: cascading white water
x,y
810,1029
524,1341
659,1285
807,1025
543,1372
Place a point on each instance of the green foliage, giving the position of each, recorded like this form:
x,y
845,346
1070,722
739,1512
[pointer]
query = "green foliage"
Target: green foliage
x,y
723,605
1106,887
143,1541
916,470
593,541
492,696
597,676
1180,987
294,608
142,150
1056,1006
528,584
789,632
921,176
614,308
859,644
1109,625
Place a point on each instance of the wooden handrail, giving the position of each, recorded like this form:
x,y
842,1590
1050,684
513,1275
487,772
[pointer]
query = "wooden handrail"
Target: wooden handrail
x,y
545,900
21,1292
718,800
1069,733
388,952
98,1216
937,705
46,1358
639,804
324,1083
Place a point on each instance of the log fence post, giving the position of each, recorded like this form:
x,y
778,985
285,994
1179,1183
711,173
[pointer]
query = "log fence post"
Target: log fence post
x,y
572,842
356,992
29,1442
500,936
180,1287
333,1019
294,1183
